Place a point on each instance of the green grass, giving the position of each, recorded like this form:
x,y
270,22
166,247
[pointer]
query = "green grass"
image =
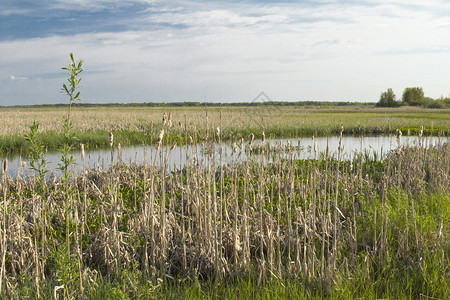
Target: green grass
x,y
388,281
134,126
302,229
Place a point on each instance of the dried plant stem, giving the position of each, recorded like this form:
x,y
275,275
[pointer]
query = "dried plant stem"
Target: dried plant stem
x,y
4,239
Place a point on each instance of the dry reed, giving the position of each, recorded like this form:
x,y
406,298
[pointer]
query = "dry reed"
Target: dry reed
x,y
283,217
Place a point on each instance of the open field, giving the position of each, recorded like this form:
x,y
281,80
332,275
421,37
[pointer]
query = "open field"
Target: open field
x,y
321,228
269,226
141,125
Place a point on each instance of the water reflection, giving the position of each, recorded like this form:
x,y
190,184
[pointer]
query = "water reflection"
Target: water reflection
x,y
176,158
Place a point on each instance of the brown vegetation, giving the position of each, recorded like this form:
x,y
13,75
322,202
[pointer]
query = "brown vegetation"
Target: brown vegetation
x,y
314,220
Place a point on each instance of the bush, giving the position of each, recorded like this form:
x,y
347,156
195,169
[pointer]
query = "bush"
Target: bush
x,y
413,96
387,99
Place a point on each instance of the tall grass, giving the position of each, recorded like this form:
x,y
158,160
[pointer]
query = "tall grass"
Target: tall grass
x,y
271,225
134,126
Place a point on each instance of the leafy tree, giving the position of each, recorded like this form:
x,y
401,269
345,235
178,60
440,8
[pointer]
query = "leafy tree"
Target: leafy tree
x,y
387,99
413,96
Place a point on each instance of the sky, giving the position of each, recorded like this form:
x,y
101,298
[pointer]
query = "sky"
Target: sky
x,y
223,51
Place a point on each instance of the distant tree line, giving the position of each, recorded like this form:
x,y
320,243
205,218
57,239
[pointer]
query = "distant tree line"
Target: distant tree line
x,y
203,104
412,96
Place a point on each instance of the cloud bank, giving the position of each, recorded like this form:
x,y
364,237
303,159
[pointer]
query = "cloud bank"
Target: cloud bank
x,y
138,51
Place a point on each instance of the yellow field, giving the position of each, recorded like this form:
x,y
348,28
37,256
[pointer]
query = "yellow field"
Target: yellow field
x,y
17,121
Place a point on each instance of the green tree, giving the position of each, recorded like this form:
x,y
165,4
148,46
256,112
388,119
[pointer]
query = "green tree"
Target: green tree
x,y
413,96
387,99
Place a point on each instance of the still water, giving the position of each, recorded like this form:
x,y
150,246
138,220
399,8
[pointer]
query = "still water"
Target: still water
x,y
177,157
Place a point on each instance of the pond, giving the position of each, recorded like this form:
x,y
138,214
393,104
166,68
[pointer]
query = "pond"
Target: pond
x,y
176,158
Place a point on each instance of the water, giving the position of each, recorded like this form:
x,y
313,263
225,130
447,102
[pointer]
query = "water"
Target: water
x,y
176,158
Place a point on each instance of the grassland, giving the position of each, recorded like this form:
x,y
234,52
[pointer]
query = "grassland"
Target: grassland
x,y
270,227
141,124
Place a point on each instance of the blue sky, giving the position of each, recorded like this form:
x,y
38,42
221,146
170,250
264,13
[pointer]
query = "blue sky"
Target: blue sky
x,y
187,50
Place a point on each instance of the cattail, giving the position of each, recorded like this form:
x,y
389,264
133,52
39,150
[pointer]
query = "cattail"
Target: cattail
x,y
164,119
169,123
263,137
24,164
82,151
119,151
328,149
111,139
235,147
191,140
251,137
5,166
315,145
160,137
399,134
180,124
242,145
218,131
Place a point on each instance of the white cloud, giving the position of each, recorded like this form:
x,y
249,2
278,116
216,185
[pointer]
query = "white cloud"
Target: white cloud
x,y
93,4
7,12
232,51
12,77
